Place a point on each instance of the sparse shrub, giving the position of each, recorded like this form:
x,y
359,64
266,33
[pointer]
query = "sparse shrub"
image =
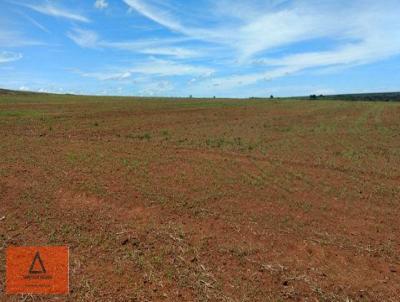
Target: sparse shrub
x,y
215,143
145,136
238,141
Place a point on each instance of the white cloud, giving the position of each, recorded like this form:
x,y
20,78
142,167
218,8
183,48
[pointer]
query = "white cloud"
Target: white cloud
x,y
6,56
13,38
162,47
51,10
235,81
159,17
172,22
254,28
84,38
367,32
153,67
156,88
170,68
34,22
101,4
178,52
107,75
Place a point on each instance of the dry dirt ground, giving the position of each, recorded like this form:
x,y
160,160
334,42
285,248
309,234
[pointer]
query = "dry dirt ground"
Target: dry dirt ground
x,y
205,200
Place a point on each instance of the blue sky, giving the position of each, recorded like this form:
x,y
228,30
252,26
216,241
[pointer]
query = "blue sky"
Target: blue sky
x,y
200,47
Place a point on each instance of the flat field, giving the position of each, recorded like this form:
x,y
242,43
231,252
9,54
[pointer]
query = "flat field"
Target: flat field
x,y
205,200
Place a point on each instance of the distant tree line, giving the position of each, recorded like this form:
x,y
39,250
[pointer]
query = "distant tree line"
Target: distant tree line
x,y
370,97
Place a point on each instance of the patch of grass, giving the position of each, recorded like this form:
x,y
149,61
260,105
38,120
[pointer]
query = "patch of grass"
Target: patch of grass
x,y
132,164
237,143
75,158
352,155
324,128
215,143
304,205
144,136
21,113
93,187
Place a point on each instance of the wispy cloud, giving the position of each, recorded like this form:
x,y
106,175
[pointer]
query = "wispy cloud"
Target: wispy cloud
x,y
162,47
162,18
7,56
171,68
151,88
151,11
101,4
14,38
252,31
50,9
33,21
178,52
152,67
367,32
84,38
